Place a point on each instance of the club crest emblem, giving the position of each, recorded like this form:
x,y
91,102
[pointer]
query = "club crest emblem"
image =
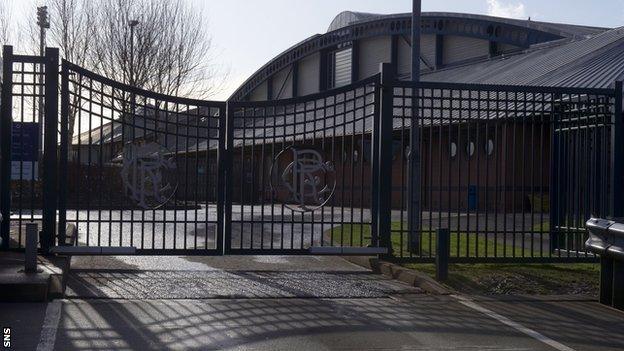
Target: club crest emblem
x,y
148,174
304,176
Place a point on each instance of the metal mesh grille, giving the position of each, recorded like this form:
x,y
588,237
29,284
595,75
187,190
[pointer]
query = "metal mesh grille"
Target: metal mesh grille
x,y
333,130
27,147
143,166
487,153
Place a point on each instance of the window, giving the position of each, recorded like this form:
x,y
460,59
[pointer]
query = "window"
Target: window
x,y
489,147
340,67
470,149
453,151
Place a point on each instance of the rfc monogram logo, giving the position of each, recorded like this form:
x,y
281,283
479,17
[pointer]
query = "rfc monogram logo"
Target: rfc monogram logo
x,y
305,177
148,174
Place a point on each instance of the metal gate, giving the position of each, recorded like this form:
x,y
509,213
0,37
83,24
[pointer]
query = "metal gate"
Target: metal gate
x,y
28,146
302,174
141,169
376,167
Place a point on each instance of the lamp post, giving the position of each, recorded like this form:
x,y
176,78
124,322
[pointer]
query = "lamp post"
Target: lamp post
x,y
132,24
44,23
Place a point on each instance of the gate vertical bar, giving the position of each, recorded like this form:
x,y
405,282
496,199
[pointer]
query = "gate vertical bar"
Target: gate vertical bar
x,y
555,154
414,175
385,157
375,169
63,155
226,172
50,158
617,164
222,182
6,108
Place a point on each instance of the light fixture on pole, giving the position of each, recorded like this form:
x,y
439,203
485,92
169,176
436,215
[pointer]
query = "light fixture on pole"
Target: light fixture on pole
x,y
132,24
44,23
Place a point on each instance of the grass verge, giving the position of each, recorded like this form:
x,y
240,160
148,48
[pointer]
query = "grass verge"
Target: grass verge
x,y
520,279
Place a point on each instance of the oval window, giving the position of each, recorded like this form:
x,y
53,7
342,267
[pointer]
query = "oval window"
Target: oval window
x,y
453,150
356,156
470,149
489,147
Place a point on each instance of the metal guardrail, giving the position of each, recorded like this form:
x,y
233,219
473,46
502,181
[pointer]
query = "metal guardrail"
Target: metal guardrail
x,y
606,238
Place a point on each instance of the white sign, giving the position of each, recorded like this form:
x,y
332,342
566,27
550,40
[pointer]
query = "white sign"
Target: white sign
x,y
24,170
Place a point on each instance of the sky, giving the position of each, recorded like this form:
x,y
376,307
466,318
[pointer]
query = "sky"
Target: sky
x,y
246,34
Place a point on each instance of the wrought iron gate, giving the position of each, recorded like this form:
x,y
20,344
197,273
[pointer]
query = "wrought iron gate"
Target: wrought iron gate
x,y
512,172
302,174
28,145
141,169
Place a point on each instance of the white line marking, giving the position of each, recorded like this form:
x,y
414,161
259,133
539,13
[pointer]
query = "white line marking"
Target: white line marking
x,y
50,325
519,327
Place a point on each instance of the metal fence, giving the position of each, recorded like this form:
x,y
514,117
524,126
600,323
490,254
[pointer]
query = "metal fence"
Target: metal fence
x,y
513,172
140,167
376,167
28,146
302,173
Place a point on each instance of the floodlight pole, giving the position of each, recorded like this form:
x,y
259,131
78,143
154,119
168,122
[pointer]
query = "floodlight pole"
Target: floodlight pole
x,y
43,22
132,24
414,186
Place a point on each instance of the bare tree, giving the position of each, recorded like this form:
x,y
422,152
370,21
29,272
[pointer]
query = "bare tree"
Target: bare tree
x,y
70,30
171,46
4,24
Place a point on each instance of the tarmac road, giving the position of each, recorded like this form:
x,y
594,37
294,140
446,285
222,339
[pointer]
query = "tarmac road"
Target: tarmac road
x,y
290,303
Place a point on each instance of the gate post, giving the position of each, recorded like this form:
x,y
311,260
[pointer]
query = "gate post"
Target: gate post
x,y
63,157
617,164
50,142
384,164
6,119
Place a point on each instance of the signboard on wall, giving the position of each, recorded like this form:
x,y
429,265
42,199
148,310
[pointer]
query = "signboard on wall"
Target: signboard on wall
x,y
25,151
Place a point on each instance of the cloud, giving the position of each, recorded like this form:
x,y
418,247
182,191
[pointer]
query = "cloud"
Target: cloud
x,y
503,9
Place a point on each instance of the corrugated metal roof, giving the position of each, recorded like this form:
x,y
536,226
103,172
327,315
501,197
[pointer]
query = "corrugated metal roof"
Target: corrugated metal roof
x,y
593,62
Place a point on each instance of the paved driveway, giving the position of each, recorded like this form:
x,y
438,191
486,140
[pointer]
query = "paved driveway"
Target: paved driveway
x,y
290,303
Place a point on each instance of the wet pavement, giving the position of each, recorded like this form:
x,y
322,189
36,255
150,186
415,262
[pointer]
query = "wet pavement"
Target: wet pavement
x,y
226,277
290,303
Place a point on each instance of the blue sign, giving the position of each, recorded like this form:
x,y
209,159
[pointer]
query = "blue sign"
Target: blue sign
x,y
25,141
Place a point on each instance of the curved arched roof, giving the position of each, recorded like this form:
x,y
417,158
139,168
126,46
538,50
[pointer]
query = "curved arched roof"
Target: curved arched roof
x,y
348,18
348,26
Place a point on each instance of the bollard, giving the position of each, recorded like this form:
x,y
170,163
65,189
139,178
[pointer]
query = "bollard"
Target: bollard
x,y
618,285
32,238
443,251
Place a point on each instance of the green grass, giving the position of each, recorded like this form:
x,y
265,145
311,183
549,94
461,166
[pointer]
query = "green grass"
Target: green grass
x,y
487,279
520,279
461,244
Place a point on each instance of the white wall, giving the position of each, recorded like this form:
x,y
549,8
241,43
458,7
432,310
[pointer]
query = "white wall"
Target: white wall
x,y
260,93
373,51
308,78
282,80
427,52
457,49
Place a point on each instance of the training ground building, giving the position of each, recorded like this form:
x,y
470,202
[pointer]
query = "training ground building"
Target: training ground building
x,y
455,48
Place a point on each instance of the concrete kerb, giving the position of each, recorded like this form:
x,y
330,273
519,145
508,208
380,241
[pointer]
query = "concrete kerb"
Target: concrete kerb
x,y
405,275
58,282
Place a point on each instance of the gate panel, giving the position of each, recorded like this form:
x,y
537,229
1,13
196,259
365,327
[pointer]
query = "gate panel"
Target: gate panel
x,y
142,167
513,172
301,173
28,164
